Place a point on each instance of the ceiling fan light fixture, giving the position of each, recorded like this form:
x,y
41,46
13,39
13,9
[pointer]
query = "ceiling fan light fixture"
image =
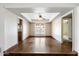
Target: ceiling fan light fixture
x,y
40,16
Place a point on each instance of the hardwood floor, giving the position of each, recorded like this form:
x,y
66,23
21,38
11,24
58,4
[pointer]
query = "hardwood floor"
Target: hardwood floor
x,y
41,46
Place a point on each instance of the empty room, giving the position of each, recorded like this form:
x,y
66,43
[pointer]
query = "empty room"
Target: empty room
x,y
39,29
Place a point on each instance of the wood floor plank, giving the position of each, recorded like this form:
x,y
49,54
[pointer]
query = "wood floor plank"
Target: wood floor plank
x,y
41,46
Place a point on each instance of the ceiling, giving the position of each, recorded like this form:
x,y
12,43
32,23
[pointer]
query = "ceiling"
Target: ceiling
x,y
68,16
35,16
47,10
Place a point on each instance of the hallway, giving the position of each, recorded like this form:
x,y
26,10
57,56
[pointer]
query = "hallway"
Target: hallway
x,y
41,46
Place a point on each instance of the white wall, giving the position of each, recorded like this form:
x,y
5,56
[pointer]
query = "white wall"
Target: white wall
x,y
48,29
11,29
75,29
8,29
25,29
32,29
1,30
70,27
56,29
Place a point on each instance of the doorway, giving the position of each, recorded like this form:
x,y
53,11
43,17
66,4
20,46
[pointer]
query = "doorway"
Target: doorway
x,y
67,29
20,32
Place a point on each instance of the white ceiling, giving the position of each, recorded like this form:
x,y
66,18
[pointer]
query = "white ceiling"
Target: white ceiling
x,y
35,16
49,9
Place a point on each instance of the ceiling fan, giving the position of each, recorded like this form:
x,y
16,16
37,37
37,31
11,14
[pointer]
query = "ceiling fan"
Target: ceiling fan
x,y
40,18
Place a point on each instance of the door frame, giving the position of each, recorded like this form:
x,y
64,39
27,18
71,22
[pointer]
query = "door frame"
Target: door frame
x,y
20,32
62,26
